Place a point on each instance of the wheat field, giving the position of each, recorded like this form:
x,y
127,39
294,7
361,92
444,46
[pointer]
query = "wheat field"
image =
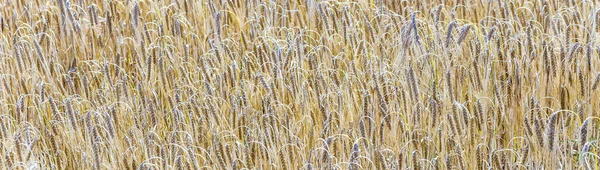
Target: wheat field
x,y
299,84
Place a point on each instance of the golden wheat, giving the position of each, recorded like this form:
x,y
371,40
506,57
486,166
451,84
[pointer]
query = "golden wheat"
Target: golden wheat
x,y
309,84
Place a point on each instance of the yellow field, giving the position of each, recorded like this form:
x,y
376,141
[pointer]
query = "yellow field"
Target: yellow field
x,y
308,84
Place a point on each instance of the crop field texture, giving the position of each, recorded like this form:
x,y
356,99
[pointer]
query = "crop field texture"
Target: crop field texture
x,y
299,84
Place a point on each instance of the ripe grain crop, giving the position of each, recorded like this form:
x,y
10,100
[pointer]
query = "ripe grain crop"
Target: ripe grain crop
x,y
308,84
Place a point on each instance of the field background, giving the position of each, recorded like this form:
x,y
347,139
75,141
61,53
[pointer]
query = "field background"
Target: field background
x,y
286,84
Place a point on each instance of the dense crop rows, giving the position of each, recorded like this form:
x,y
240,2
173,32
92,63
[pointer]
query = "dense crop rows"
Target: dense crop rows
x,y
286,84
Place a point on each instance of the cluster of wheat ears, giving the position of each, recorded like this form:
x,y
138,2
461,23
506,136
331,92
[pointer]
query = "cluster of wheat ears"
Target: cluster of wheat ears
x,y
299,84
